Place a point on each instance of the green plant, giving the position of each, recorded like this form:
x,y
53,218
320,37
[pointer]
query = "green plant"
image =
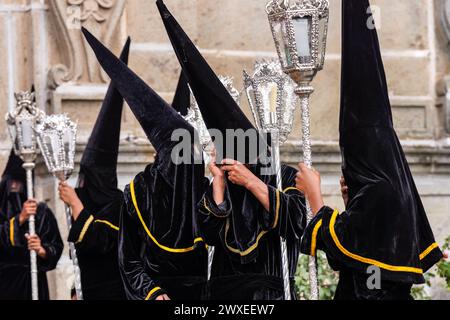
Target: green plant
x,y
328,278
443,267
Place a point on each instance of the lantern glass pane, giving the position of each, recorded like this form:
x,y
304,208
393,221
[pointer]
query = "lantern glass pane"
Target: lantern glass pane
x,y
269,95
13,132
322,40
67,143
27,133
302,27
279,31
48,145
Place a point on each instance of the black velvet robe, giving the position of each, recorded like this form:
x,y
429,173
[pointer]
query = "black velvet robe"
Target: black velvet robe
x,y
15,276
160,249
96,234
336,234
247,259
385,223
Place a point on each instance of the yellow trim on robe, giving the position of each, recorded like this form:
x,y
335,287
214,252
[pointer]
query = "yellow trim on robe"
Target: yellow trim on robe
x,y
210,211
152,292
277,210
182,250
237,251
108,224
366,260
258,238
290,188
85,229
11,231
206,207
314,237
428,250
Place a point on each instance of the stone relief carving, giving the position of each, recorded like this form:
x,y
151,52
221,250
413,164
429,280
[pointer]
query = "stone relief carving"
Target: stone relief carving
x,y
446,27
79,64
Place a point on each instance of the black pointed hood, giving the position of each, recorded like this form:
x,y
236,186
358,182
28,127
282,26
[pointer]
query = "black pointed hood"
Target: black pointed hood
x,y
102,149
385,212
156,117
12,171
218,108
97,181
182,98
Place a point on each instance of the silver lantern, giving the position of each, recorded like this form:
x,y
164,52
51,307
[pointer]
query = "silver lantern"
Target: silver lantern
x,y
299,29
22,122
272,100
57,140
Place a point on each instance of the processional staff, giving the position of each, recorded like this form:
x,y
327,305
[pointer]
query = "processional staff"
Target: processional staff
x,y
22,122
299,29
57,140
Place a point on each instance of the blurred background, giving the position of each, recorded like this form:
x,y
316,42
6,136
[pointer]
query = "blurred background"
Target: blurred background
x,y
41,44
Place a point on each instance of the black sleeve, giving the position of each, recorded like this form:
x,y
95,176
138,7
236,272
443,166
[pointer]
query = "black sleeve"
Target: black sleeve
x,y
137,283
50,239
312,240
96,233
212,217
287,212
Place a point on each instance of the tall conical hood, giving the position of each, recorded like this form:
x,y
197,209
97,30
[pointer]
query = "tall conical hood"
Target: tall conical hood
x,y
103,146
155,116
218,108
182,99
384,206
14,169
365,98
97,181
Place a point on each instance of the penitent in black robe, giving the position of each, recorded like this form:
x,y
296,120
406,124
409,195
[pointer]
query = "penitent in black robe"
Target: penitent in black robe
x,y
96,230
385,224
160,249
15,276
247,258
95,234
160,252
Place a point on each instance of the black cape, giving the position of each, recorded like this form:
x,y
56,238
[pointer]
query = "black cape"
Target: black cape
x,y
385,223
96,231
160,248
15,277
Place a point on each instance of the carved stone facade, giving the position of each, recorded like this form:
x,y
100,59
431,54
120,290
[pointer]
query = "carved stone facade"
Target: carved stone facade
x,y
41,43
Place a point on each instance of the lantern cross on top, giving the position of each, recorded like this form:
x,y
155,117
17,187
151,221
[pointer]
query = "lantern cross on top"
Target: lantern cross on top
x,y
276,6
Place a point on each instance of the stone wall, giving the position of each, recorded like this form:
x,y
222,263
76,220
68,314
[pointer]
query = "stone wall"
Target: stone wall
x,y
40,43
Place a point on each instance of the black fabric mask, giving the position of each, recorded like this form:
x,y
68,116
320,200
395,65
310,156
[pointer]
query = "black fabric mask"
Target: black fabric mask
x,y
11,202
